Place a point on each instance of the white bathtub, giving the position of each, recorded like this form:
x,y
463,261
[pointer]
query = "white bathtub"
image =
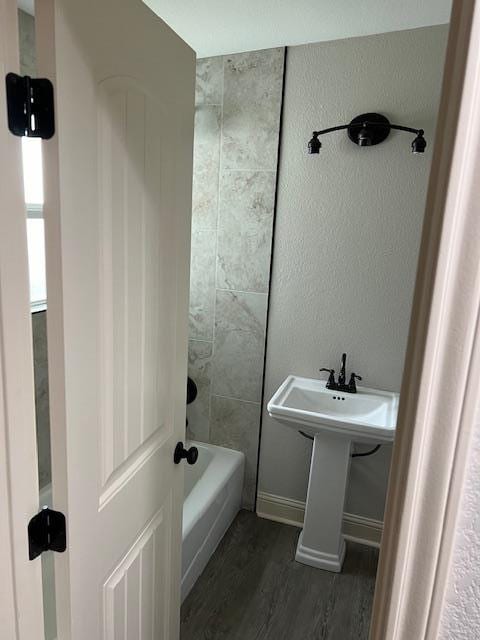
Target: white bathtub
x,y
213,493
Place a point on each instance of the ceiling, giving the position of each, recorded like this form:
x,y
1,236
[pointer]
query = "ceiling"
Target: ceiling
x,y
216,27
26,5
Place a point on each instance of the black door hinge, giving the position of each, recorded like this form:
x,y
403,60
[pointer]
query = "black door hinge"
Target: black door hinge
x,y
30,106
46,532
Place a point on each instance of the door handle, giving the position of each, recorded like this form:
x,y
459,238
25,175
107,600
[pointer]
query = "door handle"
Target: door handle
x,y
190,455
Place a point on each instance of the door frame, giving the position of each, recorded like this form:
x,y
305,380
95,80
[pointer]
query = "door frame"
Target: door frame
x,y
21,597
442,369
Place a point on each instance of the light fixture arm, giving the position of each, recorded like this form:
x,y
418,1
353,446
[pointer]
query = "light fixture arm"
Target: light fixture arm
x,y
339,128
367,123
400,127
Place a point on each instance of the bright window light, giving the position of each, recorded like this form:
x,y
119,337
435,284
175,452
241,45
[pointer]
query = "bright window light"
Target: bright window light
x,y
36,263
33,188
32,170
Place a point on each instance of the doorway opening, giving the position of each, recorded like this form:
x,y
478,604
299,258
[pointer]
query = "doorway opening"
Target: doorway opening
x,y
295,260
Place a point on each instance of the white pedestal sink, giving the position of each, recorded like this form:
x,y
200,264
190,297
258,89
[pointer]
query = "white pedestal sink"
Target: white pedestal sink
x,y
335,419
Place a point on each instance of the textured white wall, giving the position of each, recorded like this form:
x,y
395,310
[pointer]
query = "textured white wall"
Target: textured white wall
x,y
461,612
347,233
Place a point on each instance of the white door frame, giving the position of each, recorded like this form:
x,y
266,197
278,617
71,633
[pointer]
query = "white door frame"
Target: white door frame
x,y
440,387
21,604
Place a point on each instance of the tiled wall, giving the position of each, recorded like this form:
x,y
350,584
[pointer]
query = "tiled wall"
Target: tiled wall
x,y
26,33
40,356
237,126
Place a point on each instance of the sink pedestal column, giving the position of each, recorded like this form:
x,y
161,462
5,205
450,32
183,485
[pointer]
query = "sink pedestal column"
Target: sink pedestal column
x,y
321,543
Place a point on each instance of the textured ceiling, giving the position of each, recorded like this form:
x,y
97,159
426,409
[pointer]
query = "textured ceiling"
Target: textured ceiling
x,y
216,27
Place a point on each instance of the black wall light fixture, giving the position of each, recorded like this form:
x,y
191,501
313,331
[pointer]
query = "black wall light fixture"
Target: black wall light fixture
x,y
367,130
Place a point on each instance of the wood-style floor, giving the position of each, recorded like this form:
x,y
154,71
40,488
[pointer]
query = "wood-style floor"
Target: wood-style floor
x,y
252,589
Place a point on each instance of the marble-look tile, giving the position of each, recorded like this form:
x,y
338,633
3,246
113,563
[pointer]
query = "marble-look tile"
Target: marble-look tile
x,y
199,369
40,359
209,83
239,346
206,166
240,311
26,37
251,109
245,227
237,126
236,424
202,285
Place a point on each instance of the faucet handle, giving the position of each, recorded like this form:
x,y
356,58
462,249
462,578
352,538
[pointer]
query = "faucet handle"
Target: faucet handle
x,y
351,385
331,378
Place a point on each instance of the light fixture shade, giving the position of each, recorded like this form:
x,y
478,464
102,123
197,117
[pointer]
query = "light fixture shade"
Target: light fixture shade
x,y
314,144
419,144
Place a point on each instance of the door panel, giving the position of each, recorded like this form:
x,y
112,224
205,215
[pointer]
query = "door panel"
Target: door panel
x,y
118,200
137,257
21,614
138,585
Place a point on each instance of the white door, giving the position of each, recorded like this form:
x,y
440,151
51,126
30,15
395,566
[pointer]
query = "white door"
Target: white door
x,y
21,615
118,178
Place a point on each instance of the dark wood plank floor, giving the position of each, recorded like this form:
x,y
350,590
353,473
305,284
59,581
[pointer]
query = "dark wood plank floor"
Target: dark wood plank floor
x,y
252,589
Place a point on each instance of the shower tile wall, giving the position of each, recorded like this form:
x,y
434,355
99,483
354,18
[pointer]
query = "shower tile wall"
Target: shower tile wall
x,y
237,127
26,36
39,327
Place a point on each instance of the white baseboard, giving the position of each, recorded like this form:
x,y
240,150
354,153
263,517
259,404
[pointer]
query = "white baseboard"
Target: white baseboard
x,y
355,528
279,509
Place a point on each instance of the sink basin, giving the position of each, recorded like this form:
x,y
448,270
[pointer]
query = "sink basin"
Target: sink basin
x,y
306,404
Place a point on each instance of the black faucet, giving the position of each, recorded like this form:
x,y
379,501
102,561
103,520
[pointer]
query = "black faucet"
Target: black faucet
x,y
341,385
342,374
